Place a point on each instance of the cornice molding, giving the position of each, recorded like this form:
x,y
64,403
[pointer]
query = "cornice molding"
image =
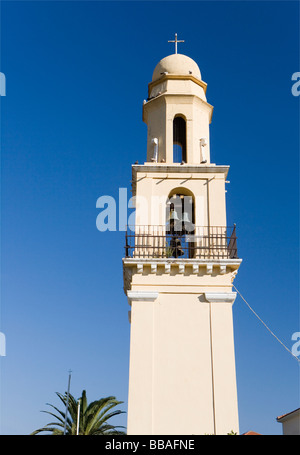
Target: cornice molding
x,y
181,266
180,168
177,77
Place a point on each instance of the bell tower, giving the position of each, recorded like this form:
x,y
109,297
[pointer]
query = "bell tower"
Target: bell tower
x,y
179,265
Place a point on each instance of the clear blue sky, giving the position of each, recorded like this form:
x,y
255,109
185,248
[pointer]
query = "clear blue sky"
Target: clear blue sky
x,y
75,71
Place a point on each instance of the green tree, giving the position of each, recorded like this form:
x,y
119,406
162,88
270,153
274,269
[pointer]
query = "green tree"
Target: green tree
x,y
93,417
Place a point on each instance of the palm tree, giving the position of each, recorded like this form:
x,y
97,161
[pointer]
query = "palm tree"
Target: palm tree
x,y
93,418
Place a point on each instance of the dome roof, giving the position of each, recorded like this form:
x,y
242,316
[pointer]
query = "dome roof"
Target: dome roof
x,y
178,64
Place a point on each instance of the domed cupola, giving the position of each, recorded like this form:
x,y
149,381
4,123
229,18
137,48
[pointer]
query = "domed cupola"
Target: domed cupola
x,y
178,64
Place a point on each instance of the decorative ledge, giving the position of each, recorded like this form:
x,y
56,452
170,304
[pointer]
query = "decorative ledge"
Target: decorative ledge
x,y
181,269
209,269
223,269
220,297
141,296
153,268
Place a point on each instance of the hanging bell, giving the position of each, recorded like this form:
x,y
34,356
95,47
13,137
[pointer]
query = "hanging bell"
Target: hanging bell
x,y
173,220
173,216
187,224
185,218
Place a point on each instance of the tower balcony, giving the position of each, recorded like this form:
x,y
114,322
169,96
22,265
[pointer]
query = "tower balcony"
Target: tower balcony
x,y
202,242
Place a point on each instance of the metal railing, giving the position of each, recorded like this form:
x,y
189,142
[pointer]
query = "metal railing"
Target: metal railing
x,y
204,242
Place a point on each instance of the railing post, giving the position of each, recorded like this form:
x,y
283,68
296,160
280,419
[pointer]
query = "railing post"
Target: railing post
x,y
126,243
232,246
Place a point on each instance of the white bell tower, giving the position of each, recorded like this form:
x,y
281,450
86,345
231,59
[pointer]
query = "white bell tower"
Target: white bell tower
x,y
180,262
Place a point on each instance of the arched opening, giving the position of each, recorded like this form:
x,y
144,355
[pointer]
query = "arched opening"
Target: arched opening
x,y
179,139
180,227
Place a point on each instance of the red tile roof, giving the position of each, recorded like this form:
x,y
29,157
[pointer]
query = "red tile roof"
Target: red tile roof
x,y
250,433
287,414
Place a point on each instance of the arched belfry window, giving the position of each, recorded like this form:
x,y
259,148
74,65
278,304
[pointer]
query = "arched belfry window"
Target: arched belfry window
x,y
179,139
180,228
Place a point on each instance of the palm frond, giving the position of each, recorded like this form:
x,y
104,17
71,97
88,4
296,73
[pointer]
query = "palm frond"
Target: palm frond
x,y
97,412
48,428
93,417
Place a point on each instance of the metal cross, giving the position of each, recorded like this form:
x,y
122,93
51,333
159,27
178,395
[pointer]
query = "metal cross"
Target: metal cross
x,y
176,41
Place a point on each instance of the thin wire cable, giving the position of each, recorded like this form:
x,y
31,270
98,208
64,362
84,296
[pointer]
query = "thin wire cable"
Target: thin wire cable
x,y
273,334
